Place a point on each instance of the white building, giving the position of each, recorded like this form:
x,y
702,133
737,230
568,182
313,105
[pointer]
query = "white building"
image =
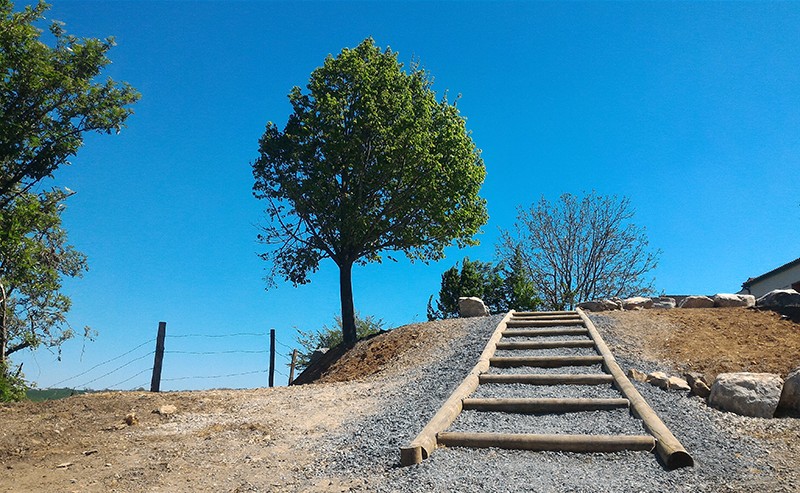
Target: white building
x,y
786,276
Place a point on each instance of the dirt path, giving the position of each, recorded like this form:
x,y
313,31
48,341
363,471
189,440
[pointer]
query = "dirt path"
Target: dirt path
x,y
237,440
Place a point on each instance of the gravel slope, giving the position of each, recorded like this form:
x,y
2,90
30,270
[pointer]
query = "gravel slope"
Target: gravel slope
x,y
365,454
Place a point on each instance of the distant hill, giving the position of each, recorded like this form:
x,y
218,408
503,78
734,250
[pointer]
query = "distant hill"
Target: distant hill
x,y
38,395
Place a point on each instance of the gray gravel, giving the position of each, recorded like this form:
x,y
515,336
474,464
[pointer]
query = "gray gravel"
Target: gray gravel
x,y
567,337
366,453
561,351
571,370
520,390
617,421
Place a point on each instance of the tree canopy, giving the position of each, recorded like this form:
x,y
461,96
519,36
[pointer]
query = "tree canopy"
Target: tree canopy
x,y
369,161
580,249
49,97
34,258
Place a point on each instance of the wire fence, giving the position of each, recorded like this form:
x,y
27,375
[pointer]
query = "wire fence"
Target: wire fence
x,y
135,366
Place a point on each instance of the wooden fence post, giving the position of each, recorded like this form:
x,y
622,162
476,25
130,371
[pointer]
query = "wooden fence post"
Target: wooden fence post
x,y
155,383
271,357
291,368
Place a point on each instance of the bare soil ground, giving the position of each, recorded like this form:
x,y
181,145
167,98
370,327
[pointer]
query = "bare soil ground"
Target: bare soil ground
x,y
711,340
266,439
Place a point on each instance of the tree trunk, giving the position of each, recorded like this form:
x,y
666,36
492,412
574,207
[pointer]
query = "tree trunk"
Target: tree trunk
x,y
348,313
3,327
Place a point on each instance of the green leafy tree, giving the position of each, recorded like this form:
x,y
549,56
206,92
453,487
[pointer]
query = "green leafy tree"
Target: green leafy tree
x,y
501,288
581,248
368,162
49,97
519,290
34,259
330,337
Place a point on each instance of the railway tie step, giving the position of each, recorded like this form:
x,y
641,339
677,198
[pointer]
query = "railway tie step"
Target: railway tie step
x,y
546,344
546,405
545,314
544,323
544,361
546,332
550,443
548,379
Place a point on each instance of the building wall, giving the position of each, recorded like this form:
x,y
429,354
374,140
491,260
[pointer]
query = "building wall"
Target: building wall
x,y
781,280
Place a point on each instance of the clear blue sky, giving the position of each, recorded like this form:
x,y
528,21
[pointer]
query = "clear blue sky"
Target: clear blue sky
x,y
690,109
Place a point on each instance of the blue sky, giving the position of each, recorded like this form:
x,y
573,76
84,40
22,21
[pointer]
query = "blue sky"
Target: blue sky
x,y
690,109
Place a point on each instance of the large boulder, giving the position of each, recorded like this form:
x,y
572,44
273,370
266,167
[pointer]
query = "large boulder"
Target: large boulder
x,y
790,397
727,300
697,302
748,394
600,305
779,298
663,303
472,307
637,303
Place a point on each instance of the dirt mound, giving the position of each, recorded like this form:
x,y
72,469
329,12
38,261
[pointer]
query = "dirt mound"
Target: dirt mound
x,y
711,340
395,350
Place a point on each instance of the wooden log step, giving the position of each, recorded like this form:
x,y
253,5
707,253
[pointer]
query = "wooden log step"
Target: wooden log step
x,y
545,317
544,361
548,379
554,443
543,323
542,314
545,344
545,405
546,332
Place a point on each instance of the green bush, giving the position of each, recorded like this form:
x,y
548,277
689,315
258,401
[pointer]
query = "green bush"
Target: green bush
x,y
12,387
329,337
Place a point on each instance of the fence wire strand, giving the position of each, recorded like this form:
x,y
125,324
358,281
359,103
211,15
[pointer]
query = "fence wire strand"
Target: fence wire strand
x,y
232,351
104,363
280,354
214,376
238,334
116,369
130,378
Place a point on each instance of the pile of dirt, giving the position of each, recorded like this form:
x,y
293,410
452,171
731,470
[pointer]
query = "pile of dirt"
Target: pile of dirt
x,y
394,350
710,340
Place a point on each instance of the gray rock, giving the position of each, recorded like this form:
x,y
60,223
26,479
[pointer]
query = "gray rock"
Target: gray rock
x,y
637,303
472,307
601,305
637,375
667,382
677,383
659,379
698,384
727,300
663,303
747,394
779,298
790,397
697,302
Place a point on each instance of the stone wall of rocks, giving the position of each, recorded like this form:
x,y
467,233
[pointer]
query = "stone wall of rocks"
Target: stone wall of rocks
x,y
777,299
759,395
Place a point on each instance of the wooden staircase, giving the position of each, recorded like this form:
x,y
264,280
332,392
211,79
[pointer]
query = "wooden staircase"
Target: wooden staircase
x,y
541,331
